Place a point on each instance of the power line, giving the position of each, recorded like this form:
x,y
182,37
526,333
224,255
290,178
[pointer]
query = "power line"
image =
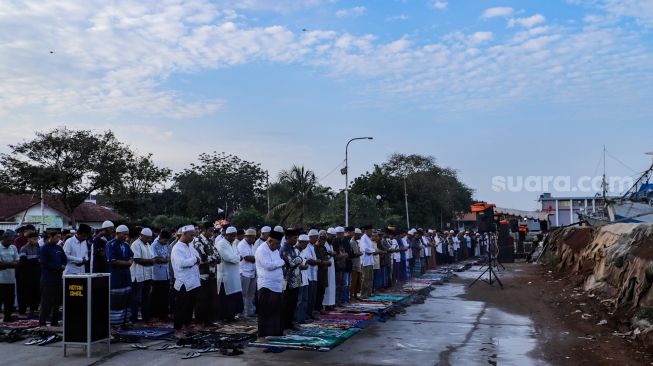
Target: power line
x,y
332,171
621,162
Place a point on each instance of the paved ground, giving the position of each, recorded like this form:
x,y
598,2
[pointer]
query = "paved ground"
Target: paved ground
x,y
450,328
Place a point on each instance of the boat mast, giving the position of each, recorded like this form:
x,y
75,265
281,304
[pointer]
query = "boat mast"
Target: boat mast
x,y
604,184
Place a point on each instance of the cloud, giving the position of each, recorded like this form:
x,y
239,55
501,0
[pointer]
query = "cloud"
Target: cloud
x,y
118,58
642,10
480,37
497,12
440,5
395,18
354,12
527,22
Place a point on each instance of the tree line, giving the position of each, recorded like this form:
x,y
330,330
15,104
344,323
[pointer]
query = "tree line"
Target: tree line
x,y
73,164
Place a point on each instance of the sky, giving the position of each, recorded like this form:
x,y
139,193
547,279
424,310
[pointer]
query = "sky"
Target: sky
x,y
491,88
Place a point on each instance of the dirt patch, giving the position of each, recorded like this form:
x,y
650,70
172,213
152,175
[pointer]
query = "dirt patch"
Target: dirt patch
x,y
565,318
579,239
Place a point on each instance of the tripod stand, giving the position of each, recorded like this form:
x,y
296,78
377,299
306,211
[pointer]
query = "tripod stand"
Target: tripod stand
x,y
492,276
491,263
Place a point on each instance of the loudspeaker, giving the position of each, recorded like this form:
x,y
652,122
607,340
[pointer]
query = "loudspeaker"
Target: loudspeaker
x,y
485,220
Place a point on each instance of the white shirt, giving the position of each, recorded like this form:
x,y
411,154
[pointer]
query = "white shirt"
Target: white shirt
x,y
427,249
185,259
367,248
456,243
269,269
228,271
409,252
247,269
141,273
438,246
76,253
396,256
304,271
309,254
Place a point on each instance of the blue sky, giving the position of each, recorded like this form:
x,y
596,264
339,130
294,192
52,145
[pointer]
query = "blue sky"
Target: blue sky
x,y
491,88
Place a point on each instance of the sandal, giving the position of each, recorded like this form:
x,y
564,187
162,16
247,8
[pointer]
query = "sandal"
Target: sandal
x,y
168,346
138,346
190,355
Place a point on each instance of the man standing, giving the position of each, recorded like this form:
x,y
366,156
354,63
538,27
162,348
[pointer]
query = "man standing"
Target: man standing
x,y
141,272
120,259
302,299
367,262
269,270
30,275
313,262
230,298
354,236
53,262
161,276
98,256
342,248
265,234
247,252
290,255
207,294
324,265
185,263
8,263
76,250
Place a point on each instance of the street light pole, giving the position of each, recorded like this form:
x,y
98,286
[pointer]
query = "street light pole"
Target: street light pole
x,y
406,199
347,176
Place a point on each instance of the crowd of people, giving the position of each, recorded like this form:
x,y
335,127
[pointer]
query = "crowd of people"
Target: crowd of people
x,y
219,274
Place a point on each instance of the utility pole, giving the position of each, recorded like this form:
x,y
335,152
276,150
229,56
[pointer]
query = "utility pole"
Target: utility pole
x,y
267,182
406,199
346,173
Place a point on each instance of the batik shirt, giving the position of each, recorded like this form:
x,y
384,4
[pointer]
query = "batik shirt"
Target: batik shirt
x,y
293,259
209,257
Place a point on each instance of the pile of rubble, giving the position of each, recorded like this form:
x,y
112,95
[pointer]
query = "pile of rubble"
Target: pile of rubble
x,y
615,264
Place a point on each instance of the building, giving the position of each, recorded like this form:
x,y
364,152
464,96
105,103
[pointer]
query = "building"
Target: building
x,y
26,209
563,211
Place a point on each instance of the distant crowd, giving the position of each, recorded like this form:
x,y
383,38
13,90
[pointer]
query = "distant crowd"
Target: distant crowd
x,y
211,273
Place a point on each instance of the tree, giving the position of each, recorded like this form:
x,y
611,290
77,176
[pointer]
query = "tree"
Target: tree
x,y
130,193
435,194
246,218
363,210
71,163
219,181
303,194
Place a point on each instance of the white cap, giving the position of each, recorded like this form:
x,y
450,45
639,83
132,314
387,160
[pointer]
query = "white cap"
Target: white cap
x,y
187,228
250,231
231,230
357,231
279,229
451,232
107,224
412,231
313,232
331,230
73,231
146,231
303,237
431,231
266,229
122,229
339,229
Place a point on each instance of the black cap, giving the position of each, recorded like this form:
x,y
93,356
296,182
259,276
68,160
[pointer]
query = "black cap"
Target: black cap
x,y
276,235
350,229
368,227
84,229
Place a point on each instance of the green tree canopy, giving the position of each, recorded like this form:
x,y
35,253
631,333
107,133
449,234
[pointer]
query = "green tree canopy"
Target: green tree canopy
x,y
219,181
73,164
435,194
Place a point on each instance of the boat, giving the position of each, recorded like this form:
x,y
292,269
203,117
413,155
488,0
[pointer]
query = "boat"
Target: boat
x,y
634,206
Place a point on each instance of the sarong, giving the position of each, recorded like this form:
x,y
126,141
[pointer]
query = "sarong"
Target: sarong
x,y
120,305
269,313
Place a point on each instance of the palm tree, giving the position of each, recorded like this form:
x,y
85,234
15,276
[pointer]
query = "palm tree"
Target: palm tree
x,y
303,188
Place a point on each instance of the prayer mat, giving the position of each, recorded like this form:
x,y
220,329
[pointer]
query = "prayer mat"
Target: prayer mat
x,y
146,333
236,328
347,316
388,298
296,340
327,333
20,324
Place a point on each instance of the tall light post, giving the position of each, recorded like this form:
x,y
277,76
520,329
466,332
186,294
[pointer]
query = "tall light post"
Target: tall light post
x,y
406,200
346,172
